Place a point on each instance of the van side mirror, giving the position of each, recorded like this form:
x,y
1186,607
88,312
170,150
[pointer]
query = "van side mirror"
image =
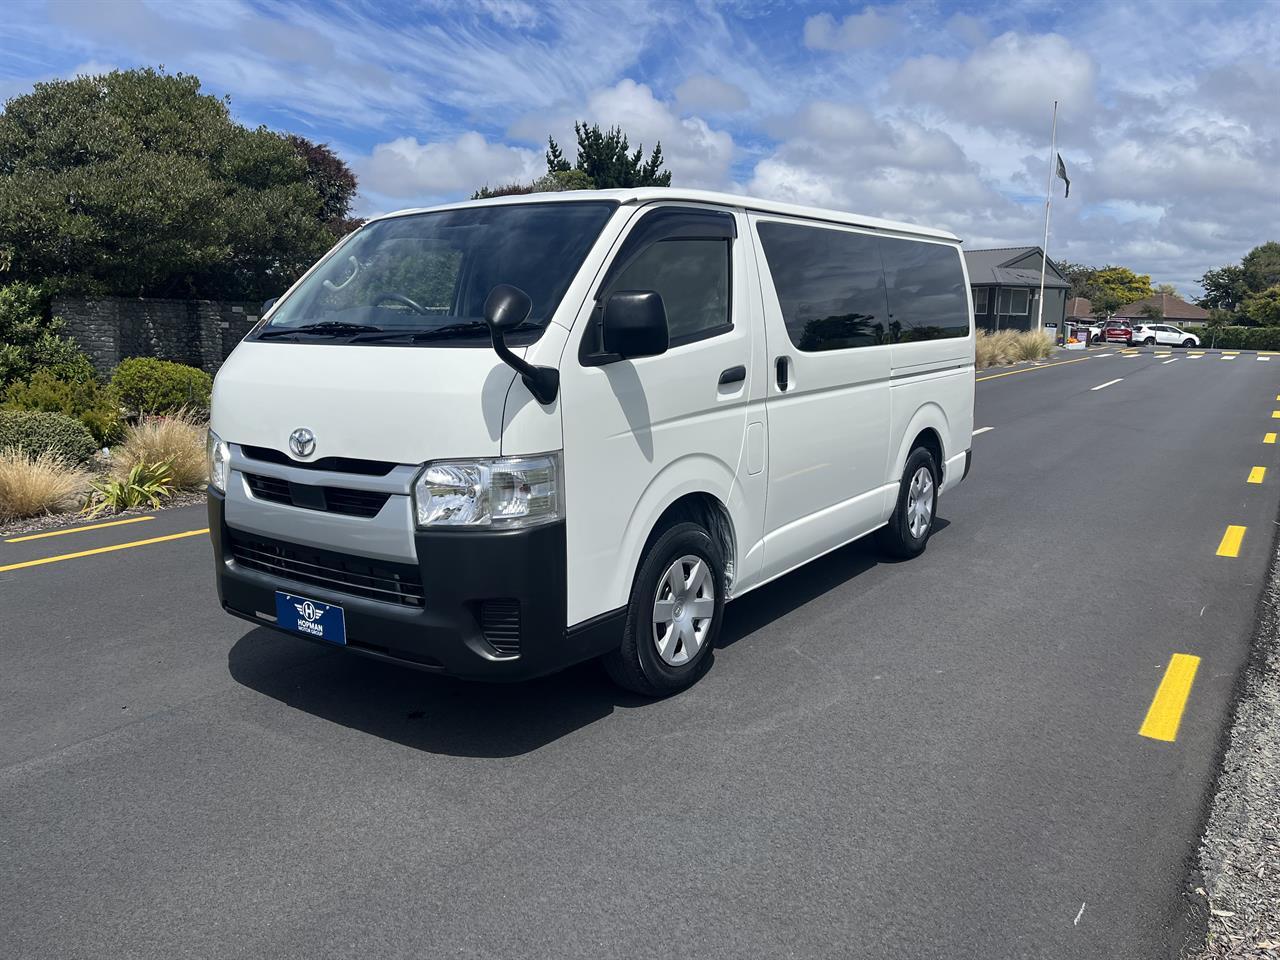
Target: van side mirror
x,y
268,304
635,324
506,308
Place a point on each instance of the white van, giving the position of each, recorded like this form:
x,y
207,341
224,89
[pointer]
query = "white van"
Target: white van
x,y
495,438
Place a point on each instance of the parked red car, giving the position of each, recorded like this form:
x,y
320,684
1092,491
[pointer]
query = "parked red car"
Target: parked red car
x,y
1120,331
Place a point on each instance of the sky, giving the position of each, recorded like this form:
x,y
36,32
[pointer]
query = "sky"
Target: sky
x,y
936,113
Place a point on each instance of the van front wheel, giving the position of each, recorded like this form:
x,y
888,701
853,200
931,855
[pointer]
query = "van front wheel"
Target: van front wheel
x,y
674,615
912,521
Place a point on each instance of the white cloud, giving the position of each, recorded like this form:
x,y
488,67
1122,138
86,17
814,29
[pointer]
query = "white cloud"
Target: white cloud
x,y
855,32
407,169
703,92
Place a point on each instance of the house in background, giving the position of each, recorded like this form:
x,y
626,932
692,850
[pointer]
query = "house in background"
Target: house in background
x,y
1172,309
1006,288
1080,310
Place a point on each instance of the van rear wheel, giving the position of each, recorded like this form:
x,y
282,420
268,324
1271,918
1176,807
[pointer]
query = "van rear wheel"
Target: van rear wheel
x,y
674,615
909,528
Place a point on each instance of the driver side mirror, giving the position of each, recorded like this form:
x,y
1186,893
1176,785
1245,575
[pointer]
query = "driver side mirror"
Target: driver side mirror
x,y
268,304
635,324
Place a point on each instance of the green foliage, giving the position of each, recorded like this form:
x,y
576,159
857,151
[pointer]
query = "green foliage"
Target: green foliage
x,y
1243,338
1264,308
1168,289
29,342
332,180
556,181
148,385
37,432
1151,311
1261,266
1224,289
1106,288
604,159
135,183
90,402
145,483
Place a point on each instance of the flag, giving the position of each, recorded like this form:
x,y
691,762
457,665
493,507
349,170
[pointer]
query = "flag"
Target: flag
x,y
1062,172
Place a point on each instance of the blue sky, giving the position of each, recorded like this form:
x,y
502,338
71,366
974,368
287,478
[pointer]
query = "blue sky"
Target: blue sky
x,y
932,112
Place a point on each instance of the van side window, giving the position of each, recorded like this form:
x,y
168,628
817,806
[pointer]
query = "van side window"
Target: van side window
x,y
927,295
692,277
830,285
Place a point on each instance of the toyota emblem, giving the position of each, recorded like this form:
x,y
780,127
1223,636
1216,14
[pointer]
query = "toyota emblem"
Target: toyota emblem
x,y
302,442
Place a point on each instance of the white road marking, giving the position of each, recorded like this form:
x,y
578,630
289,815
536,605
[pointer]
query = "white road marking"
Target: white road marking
x,y
1225,357
1264,359
1076,922
1167,362
1107,384
982,430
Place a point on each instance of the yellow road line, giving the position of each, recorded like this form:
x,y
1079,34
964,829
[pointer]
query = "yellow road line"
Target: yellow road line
x,y
61,533
1275,414
1256,474
1231,353
110,549
1230,545
1165,713
1043,366
1269,438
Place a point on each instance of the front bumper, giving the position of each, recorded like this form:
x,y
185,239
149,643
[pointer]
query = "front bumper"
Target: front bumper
x,y
460,571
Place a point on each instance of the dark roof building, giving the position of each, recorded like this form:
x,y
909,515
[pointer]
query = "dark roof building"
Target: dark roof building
x,y
1079,308
1006,288
1174,309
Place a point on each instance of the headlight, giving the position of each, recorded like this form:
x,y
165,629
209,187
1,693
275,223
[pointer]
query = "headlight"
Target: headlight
x,y
218,454
505,492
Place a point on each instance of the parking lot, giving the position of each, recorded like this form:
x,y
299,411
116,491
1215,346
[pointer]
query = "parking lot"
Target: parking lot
x,y
975,753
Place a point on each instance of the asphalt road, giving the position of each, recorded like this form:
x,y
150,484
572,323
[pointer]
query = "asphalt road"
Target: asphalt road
x,y
937,758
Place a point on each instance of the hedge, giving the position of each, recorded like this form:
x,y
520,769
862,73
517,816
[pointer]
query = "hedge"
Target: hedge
x,y
36,431
1242,338
148,385
85,399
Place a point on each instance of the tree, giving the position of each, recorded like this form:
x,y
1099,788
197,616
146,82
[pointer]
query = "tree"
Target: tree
x,y
135,183
333,180
1123,283
1261,267
553,182
1224,289
1168,289
1151,312
604,158
1264,308
1079,276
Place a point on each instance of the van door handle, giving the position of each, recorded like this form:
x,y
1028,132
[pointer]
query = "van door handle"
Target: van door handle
x,y
733,375
781,366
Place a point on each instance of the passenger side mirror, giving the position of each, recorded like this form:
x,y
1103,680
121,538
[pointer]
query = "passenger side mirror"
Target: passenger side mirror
x,y
506,307
635,324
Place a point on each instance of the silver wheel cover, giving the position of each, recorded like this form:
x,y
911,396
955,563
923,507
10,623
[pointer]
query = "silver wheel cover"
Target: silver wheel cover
x,y
920,502
683,607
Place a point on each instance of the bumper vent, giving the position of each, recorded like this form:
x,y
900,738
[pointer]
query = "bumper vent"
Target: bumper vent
x,y
398,583
500,623
351,503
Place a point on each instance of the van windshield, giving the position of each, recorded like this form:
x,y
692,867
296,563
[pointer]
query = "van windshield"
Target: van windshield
x,y
425,276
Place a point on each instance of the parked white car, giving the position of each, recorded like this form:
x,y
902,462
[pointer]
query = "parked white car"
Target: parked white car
x,y
1163,334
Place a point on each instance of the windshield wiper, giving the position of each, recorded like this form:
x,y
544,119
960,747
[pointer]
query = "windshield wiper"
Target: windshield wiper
x,y
327,328
418,336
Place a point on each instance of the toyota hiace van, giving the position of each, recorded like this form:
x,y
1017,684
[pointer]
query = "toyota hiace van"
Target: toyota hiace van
x,y
495,438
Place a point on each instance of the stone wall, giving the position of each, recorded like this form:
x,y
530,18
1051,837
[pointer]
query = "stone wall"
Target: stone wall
x,y
201,333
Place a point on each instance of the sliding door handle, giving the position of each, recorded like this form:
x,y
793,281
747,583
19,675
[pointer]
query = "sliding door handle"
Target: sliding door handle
x,y
781,365
733,375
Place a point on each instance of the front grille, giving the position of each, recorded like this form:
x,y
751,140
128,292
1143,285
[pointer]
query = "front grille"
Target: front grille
x,y
399,583
500,624
352,503
367,468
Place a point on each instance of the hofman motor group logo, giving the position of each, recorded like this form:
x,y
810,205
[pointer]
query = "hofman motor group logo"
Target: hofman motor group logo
x,y
308,618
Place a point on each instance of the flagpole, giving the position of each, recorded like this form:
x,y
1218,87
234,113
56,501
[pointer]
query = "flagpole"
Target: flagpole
x,y
1048,203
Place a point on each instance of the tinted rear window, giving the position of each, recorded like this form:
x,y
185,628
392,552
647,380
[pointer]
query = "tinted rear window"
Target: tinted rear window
x,y
927,295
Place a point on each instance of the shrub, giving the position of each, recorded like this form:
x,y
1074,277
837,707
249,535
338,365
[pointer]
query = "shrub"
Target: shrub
x,y
1010,346
29,342
39,432
30,486
90,402
148,385
178,440
1242,338
145,483
1033,345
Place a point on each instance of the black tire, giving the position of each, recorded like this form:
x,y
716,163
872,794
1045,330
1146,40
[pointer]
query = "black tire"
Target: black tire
x,y
896,539
1188,343
1150,341
637,665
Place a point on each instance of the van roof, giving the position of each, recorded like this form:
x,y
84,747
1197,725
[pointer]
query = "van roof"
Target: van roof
x,y
650,194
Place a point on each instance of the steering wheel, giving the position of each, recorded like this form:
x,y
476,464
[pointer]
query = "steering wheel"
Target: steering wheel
x,y
401,298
